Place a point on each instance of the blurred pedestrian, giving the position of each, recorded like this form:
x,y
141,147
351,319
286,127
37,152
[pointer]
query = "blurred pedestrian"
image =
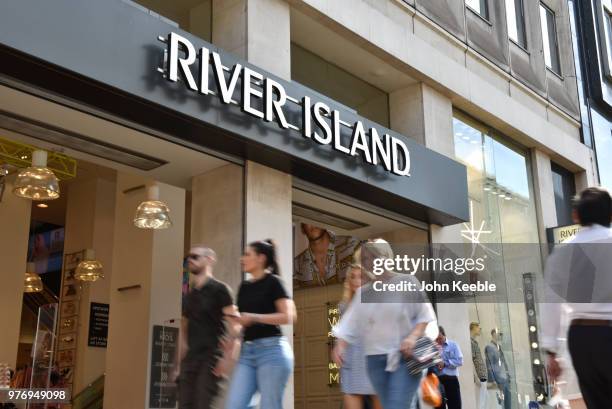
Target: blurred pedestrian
x,y
354,380
480,369
497,368
388,331
266,359
452,359
203,357
579,281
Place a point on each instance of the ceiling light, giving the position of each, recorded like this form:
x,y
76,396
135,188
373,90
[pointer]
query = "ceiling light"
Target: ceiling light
x,y
532,328
42,205
502,195
152,214
487,188
493,192
37,182
474,141
89,269
508,197
32,282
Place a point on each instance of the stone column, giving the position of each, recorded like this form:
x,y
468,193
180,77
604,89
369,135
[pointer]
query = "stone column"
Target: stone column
x,y
587,177
259,31
268,216
15,221
424,114
145,290
89,224
217,218
544,191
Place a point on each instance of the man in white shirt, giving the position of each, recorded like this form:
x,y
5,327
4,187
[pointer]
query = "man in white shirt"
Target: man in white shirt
x,y
579,276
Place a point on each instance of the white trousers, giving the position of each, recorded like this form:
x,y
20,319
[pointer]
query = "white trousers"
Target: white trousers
x,y
482,395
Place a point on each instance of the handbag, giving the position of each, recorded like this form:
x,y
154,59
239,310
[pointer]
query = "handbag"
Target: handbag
x,y
430,390
424,355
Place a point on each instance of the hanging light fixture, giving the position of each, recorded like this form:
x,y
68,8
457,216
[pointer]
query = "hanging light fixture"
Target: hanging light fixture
x,y
32,283
89,269
152,214
37,182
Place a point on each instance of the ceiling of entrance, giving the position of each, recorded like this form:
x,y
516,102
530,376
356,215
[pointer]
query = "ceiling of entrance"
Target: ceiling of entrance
x,y
182,163
336,215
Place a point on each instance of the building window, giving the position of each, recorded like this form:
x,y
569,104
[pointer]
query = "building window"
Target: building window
x,y
606,36
564,187
502,219
549,37
479,6
311,70
516,22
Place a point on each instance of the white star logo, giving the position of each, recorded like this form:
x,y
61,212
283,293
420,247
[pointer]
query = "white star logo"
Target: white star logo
x,y
470,233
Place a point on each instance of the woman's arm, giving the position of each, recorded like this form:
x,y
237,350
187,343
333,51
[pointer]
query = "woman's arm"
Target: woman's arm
x,y
285,314
409,342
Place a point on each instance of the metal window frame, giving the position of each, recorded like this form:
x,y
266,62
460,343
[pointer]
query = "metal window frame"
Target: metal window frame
x,y
603,15
555,41
484,5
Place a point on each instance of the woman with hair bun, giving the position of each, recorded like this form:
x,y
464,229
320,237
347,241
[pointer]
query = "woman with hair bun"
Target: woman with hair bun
x,y
266,359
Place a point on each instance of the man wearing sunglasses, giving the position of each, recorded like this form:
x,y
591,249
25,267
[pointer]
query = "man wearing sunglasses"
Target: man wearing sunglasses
x,y
206,341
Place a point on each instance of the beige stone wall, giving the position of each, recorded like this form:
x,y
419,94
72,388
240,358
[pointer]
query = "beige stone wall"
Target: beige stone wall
x,y
15,222
217,218
405,39
153,262
90,224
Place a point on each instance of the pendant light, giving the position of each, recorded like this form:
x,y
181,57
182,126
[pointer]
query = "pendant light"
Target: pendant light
x,y
89,269
152,214
37,182
32,283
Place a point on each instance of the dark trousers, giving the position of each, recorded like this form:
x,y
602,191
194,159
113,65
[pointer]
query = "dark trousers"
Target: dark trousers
x,y
452,392
589,347
197,386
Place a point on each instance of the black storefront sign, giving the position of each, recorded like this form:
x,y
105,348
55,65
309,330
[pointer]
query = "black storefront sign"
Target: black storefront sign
x,y
111,64
98,325
162,390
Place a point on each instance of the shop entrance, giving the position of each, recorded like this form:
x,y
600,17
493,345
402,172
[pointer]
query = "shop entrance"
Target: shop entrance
x,y
319,281
56,335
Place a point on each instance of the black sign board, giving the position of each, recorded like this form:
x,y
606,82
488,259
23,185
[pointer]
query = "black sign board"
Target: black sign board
x,y
98,325
162,390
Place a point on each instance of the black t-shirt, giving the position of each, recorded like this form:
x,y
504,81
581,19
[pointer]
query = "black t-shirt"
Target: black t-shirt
x,y
203,309
259,297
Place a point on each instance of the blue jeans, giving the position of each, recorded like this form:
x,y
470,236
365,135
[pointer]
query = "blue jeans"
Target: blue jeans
x,y
396,390
264,365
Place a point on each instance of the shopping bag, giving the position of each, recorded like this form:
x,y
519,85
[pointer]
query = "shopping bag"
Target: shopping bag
x,y
430,390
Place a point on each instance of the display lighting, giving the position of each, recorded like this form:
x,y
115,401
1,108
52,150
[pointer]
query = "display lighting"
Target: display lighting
x,y
89,269
152,214
37,182
32,283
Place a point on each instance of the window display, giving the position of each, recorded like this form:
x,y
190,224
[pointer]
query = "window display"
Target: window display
x,y
502,216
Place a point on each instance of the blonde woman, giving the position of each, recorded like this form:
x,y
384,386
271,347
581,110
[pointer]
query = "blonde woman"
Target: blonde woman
x,y
387,330
354,380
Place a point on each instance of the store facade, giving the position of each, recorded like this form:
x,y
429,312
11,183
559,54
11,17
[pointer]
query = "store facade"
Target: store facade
x,y
241,151
263,138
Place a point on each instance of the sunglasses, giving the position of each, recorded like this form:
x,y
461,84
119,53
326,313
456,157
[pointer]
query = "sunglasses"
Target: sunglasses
x,y
193,257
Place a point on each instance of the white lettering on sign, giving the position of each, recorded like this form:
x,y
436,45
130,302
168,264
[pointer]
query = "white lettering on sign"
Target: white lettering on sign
x,y
320,123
